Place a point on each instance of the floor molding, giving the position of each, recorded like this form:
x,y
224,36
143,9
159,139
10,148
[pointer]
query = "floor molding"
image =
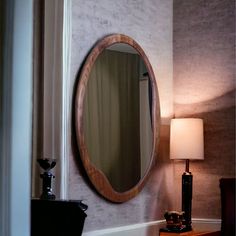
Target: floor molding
x,y
124,228
143,228
206,221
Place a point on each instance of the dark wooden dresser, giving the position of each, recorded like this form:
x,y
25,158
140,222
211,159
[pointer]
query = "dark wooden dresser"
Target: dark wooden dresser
x,y
57,217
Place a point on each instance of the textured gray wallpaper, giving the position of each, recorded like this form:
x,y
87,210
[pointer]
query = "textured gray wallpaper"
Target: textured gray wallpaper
x,y
149,22
204,87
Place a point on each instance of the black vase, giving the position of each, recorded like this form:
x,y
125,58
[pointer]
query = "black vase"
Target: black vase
x,y
47,176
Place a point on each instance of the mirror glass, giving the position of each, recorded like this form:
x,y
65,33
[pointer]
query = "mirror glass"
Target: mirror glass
x,y
117,116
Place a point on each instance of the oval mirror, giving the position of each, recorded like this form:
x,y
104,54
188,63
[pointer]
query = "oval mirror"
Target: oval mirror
x,y
117,117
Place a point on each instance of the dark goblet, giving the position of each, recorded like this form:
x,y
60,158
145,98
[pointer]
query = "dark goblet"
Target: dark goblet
x,y
47,164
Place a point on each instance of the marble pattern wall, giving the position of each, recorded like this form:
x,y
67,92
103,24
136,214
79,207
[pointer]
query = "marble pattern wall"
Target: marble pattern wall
x,y
204,87
149,22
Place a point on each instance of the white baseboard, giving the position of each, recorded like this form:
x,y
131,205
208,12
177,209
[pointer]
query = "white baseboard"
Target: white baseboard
x,y
129,230
152,228
206,224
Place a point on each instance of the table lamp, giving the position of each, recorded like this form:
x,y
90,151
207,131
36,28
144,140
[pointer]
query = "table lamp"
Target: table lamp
x,y
186,143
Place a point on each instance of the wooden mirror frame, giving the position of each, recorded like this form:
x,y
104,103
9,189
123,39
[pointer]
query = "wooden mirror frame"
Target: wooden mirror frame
x,y
96,176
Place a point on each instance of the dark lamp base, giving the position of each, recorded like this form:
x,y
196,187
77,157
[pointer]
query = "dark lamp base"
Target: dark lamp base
x,y
176,229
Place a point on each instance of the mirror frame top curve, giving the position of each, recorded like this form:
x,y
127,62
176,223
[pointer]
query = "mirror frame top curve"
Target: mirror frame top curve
x,y
96,176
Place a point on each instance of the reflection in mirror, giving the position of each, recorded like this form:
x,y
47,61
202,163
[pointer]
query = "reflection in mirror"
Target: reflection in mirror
x,y
117,117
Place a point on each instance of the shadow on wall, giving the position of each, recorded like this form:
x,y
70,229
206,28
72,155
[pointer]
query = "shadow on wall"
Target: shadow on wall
x,y
219,131
164,185
218,115
226,100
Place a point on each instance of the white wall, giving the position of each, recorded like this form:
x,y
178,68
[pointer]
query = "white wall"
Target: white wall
x,y
15,140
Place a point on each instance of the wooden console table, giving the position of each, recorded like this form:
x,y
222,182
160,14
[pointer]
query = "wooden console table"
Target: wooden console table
x,y
192,233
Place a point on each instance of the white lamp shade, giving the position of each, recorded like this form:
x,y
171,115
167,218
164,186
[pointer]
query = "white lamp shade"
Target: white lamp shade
x,y
186,139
